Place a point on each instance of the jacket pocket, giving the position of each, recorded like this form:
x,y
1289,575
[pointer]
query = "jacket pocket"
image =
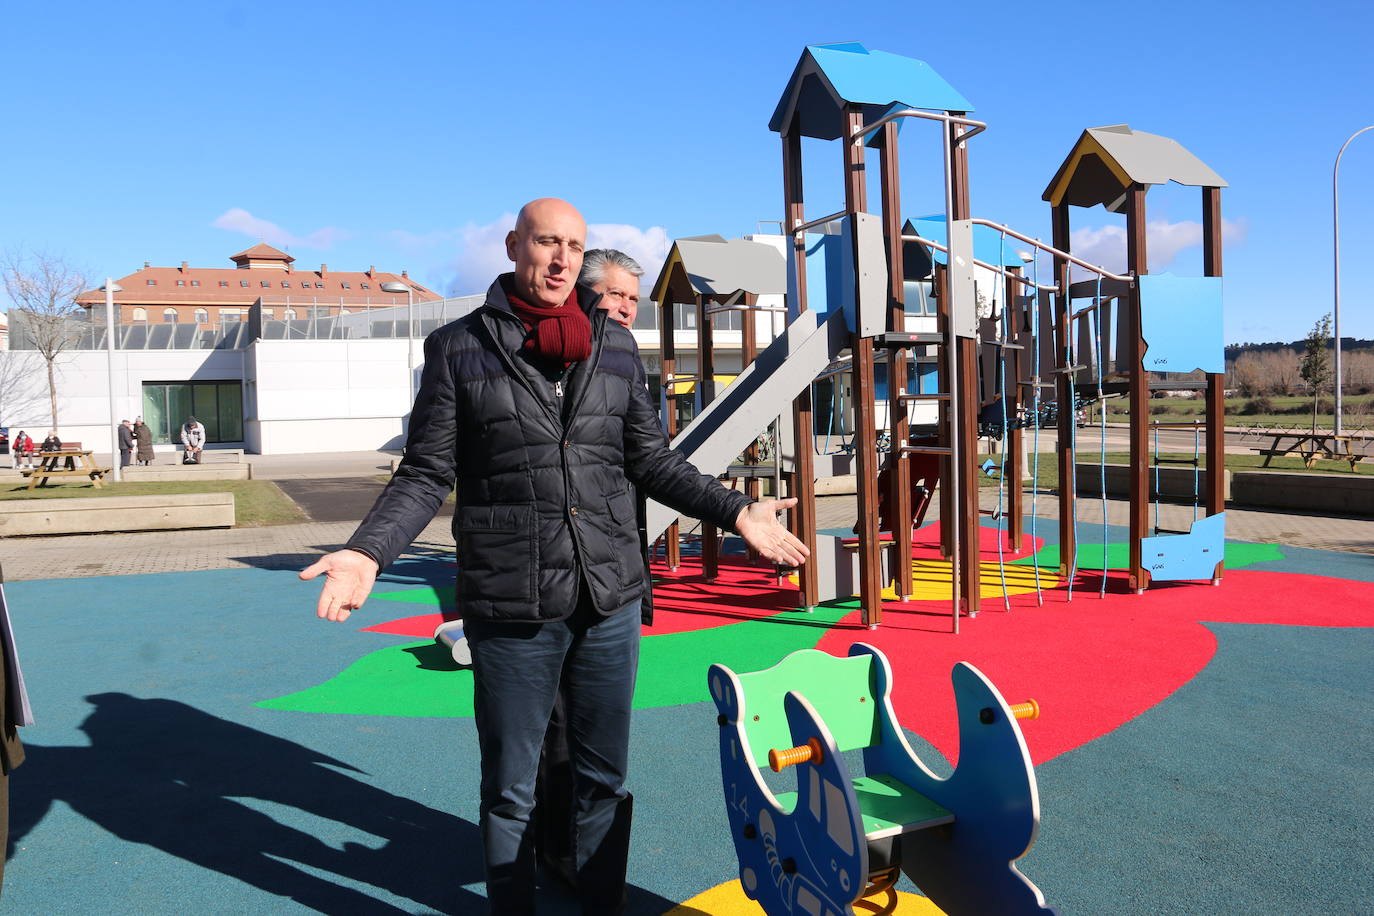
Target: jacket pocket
x,y
622,506
498,554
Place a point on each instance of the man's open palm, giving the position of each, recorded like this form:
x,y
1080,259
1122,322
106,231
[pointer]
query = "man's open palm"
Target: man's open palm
x,y
349,576
758,524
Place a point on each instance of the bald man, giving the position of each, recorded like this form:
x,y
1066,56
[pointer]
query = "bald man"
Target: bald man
x,y
535,407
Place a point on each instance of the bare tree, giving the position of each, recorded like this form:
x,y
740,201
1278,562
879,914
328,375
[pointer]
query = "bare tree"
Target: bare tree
x,y
42,288
20,391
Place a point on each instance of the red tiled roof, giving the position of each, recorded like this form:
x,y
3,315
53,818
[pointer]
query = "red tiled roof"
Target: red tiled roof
x,y
261,252
164,289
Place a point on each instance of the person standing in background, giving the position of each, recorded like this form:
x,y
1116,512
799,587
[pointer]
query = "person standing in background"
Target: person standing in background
x,y
144,435
126,443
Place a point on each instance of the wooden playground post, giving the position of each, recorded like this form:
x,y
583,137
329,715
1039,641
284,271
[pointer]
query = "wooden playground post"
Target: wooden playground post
x,y
1064,390
1137,264
968,408
1012,325
706,391
865,433
1216,398
899,476
749,351
948,410
672,549
803,479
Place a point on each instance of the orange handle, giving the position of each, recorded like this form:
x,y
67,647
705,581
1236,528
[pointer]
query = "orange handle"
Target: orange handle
x,y
1027,710
809,752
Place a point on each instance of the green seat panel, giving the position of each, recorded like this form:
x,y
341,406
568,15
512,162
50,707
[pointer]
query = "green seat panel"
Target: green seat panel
x,y
840,690
888,806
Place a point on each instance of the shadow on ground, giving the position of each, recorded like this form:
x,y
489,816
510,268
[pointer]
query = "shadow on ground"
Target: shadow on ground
x,y
172,777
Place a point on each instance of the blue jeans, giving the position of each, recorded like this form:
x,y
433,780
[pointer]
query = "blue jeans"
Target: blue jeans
x,y
517,669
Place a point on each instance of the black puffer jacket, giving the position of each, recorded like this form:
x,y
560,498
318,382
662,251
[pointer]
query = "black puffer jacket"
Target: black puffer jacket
x,y
541,500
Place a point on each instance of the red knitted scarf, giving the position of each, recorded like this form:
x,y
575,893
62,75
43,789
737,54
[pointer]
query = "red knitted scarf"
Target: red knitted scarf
x,y
559,333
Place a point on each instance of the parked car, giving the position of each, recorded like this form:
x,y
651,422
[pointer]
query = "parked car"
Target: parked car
x,y
4,440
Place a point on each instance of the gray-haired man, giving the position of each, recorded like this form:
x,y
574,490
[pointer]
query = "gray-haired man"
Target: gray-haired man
x,y
615,275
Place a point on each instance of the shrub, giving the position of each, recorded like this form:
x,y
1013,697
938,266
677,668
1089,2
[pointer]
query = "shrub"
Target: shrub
x,y
1258,405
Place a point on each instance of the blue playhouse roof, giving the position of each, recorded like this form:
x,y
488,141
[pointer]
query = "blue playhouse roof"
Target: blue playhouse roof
x,y
988,245
830,76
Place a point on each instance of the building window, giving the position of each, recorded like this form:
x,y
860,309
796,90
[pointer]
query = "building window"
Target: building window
x,y
140,314
286,284
195,283
289,315
152,282
181,283
266,284
230,314
224,283
305,284
267,313
169,316
202,316
319,285
217,405
243,283
364,286
346,286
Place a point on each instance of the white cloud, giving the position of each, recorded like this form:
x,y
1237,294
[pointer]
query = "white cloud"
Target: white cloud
x,y
647,246
239,220
1105,246
479,251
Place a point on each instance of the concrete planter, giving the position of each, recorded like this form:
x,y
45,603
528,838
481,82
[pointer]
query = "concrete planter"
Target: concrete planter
x,y
1175,483
101,514
1337,494
213,471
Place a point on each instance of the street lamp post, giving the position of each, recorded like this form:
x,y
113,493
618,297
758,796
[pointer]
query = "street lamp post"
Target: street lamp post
x,y
111,287
395,286
1336,232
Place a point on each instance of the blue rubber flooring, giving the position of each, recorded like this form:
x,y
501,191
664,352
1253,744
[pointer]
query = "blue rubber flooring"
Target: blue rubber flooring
x,y
154,785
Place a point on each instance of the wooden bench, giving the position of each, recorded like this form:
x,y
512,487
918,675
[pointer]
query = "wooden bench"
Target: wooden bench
x,y
1311,447
69,457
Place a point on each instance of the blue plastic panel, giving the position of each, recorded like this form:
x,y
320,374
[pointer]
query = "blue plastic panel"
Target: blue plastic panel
x,y
1195,555
829,76
988,246
825,286
1180,319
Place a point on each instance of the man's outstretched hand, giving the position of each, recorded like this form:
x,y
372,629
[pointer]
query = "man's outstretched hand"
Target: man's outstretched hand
x,y
758,524
348,578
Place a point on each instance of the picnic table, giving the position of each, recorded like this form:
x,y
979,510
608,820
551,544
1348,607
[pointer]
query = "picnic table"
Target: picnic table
x,y
83,465
1312,446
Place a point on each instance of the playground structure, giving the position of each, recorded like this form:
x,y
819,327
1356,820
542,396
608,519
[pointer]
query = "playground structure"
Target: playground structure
x,y
839,838
1009,349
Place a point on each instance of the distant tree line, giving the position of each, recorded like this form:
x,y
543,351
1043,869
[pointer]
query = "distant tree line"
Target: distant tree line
x,y
1279,371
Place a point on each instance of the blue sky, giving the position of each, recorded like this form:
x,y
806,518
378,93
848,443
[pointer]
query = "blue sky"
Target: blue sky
x,y
405,134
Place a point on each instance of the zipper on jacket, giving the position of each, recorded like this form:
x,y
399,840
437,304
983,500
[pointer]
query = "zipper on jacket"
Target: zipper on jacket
x,y
520,376
567,429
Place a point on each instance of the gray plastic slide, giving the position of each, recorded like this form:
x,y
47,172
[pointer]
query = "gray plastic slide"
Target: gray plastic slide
x,y
765,389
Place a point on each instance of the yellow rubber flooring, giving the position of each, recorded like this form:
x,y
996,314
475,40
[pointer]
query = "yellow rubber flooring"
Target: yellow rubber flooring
x,y
729,900
930,579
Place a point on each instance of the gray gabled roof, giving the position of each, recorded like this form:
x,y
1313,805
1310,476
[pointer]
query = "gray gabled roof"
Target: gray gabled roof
x,y
1106,161
715,266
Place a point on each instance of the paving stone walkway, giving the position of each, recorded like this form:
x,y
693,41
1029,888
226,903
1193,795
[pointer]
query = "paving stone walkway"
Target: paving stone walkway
x,y
297,546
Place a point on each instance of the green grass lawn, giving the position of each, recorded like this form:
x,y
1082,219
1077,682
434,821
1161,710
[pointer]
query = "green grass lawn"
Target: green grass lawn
x,y
256,502
1296,411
